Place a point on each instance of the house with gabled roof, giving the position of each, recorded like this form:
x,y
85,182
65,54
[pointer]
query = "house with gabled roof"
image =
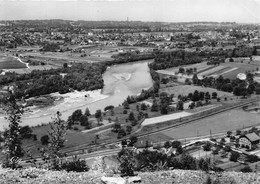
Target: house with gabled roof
x,y
249,140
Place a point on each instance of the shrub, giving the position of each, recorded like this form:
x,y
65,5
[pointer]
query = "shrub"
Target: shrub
x,y
234,156
207,146
167,144
246,169
127,162
110,107
45,139
76,165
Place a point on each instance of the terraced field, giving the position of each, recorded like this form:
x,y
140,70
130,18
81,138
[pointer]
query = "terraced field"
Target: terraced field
x,y
227,69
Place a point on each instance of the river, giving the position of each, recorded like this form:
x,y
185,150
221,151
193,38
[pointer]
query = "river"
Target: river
x,y
120,81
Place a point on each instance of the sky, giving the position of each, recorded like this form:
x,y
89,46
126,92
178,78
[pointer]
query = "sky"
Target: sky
x,y
241,11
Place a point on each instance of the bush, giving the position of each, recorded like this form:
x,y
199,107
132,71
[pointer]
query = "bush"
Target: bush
x,y
45,139
234,156
110,107
207,146
246,169
76,165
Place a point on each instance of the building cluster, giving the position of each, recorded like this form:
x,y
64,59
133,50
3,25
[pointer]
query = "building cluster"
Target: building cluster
x,y
158,35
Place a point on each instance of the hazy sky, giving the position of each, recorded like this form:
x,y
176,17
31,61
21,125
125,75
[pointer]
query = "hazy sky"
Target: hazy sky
x,y
243,11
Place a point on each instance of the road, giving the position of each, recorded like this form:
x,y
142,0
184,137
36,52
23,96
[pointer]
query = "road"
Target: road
x,y
82,149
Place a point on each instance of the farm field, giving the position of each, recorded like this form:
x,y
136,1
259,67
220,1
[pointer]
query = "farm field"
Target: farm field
x,y
186,89
172,71
92,54
10,62
227,69
28,70
231,120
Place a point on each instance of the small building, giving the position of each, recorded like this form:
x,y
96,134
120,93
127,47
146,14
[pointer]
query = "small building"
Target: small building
x,y
249,140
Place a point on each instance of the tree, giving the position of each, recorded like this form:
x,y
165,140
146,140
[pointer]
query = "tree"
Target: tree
x,y
167,144
181,70
117,127
76,115
98,115
207,146
164,108
57,139
208,180
234,156
12,145
204,164
70,122
229,133
246,169
133,140
180,105
127,161
187,81
87,112
126,105
84,121
176,144
131,116
137,108
26,132
121,133
238,132
195,96
214,95
195,79
45,140
188,162
128,129
143,107
154,107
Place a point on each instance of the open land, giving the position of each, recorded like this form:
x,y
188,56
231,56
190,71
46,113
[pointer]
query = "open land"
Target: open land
x,y
10,62
227,69
186,89
231,120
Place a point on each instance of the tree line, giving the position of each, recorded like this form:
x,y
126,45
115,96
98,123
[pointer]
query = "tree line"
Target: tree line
x,y
77,77
237,87
175,58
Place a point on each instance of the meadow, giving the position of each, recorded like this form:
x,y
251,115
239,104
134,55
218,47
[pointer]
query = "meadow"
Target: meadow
x,y
10,62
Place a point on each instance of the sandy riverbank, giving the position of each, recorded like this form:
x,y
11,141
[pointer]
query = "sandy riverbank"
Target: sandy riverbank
x,y
71,101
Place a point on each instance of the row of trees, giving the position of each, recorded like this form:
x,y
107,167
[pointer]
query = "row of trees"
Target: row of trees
x,y
237,86
131,56
176,58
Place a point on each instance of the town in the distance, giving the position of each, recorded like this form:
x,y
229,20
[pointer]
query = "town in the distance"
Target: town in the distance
x,y
146,96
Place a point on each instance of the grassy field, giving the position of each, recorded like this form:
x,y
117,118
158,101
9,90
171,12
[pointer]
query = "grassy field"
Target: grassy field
x,y
92,54
241,68
9,62
231,120
28,70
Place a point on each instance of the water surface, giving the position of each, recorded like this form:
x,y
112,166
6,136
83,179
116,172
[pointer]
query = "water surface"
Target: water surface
x,y
120,81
